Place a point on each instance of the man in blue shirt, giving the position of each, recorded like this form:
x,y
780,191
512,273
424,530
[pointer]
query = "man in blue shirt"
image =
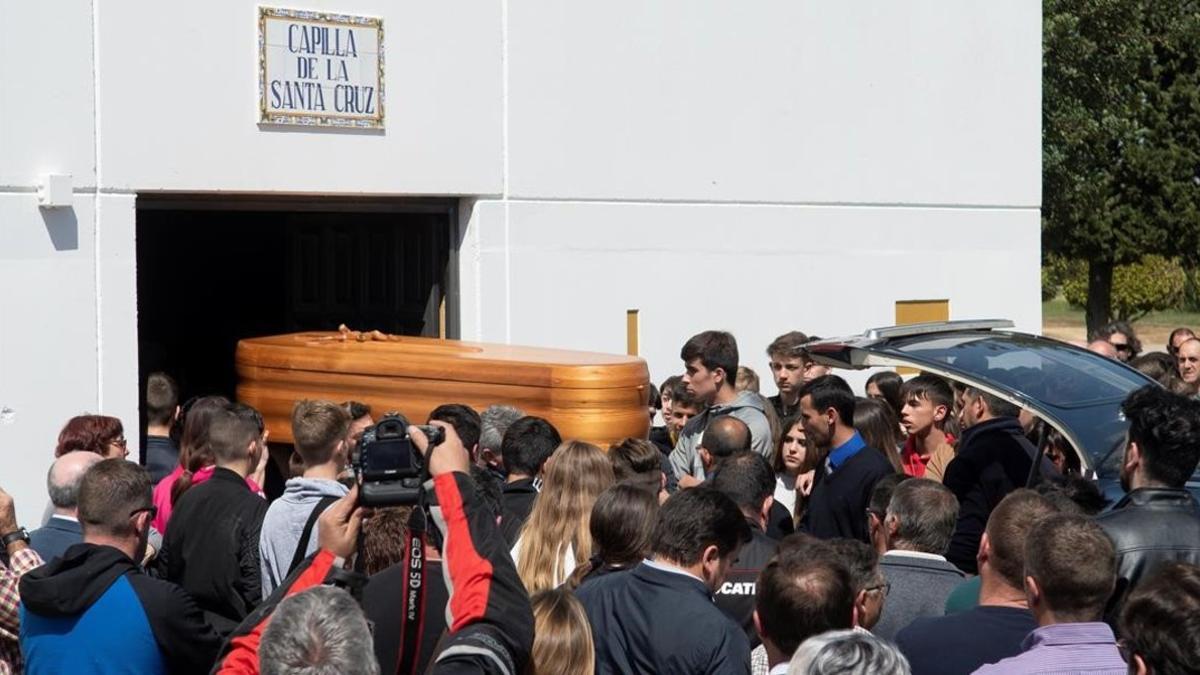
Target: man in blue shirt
x,y
842,488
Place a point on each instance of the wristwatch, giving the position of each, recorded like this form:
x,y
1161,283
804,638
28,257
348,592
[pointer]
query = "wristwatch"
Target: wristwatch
x,y
19,534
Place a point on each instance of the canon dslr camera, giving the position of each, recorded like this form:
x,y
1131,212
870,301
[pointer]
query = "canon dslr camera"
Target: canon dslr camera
x,y
390,469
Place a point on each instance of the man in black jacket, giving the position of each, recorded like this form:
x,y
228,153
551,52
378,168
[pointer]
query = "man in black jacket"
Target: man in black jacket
x,y
747,479
211,547
659,617
94,610
993,459
527,445
842,488
1158,520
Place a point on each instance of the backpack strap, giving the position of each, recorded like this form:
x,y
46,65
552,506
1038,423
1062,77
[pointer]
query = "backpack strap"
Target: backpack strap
x,y
306,535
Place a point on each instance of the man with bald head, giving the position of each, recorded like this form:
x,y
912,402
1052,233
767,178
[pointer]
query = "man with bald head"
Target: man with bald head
x,y
1187,360
722,437
1103,348
62,530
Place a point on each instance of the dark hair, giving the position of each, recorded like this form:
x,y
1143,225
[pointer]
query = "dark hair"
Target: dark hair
x,y
654,397
1073,494
879,428
1157,366
1009,526
1124,328
88,433
724,436
466,422
803,591
714,349
747,479
622,524
862,562
1184,330
996,405
110,492
527,444
889,384
670,386
194,450
931,388
489,488
881,494
926,512
785,426
229,432
692,520
682,398
636,461
1074,564
788,346
162,398
831,391
384,536
1161,619
356,410
1166,428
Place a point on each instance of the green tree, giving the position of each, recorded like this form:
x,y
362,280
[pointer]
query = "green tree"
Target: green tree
x,y
1120,136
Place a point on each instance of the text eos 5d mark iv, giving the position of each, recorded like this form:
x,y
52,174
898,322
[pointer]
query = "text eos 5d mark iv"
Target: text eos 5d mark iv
x,y
390,470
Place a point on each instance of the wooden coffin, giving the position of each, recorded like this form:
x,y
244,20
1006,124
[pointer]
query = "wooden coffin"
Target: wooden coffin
x,y
595,397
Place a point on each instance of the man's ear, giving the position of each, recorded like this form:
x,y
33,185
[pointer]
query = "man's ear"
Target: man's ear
x,y
1133,455
758,624
940,412
1139,666
1033,592
860,606
985,550
891,525
177,413
766,508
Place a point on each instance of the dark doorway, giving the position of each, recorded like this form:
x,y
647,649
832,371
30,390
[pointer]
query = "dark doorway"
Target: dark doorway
x,y
211,273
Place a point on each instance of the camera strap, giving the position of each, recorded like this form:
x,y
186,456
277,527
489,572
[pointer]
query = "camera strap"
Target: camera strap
x,y
412,617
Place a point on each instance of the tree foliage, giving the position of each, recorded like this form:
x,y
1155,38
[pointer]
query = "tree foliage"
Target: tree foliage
x,y
1151,284
1121,135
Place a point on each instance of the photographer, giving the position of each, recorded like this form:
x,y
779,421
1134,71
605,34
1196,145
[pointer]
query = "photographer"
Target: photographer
x,y
491,623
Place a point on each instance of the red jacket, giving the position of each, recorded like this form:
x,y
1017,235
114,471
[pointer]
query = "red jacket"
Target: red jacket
x,y
491,622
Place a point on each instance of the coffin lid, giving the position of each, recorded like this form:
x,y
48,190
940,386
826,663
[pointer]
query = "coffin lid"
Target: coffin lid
x,y
449,360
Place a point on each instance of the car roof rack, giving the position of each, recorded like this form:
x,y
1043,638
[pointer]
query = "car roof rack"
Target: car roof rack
x,y
931,327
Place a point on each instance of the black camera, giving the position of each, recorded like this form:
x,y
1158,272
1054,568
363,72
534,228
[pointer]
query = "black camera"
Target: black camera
x,y
390,470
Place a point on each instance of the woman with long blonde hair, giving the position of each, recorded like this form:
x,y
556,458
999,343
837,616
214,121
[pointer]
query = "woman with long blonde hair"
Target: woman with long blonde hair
x,y
562,636
556,537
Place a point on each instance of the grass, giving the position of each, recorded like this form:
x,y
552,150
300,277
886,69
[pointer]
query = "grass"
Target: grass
x,y
1063,321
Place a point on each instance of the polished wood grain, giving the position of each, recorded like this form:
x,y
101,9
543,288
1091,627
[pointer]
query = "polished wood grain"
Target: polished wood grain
x,y
599,398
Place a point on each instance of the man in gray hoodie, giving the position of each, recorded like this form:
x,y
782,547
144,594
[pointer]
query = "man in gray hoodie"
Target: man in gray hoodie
x,y
320,431
710,361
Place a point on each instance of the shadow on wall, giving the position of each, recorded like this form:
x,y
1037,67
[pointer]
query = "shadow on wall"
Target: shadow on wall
x,y
63,228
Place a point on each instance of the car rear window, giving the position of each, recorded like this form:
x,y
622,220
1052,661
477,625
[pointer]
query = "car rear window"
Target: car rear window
x,y
1055,373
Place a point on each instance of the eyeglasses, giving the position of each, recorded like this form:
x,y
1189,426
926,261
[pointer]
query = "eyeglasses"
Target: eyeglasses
x,y
152,510
1121,346
119,440
886,587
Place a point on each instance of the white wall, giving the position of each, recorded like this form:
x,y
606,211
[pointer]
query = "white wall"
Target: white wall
x,y
179,99
571,270
760,167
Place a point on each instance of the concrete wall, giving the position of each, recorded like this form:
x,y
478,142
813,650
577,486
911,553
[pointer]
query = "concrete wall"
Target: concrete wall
x,y
758,167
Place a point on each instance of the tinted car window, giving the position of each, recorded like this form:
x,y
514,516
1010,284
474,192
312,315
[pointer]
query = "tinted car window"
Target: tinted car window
x,y
1060,375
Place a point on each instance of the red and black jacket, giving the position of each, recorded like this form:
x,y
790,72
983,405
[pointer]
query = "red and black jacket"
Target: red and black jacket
x,y
490,619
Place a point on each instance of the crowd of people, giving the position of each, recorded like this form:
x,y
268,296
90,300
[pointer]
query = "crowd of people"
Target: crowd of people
x,y
810,532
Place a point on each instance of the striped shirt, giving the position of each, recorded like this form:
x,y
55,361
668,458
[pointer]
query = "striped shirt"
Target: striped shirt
x,y
1064,648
